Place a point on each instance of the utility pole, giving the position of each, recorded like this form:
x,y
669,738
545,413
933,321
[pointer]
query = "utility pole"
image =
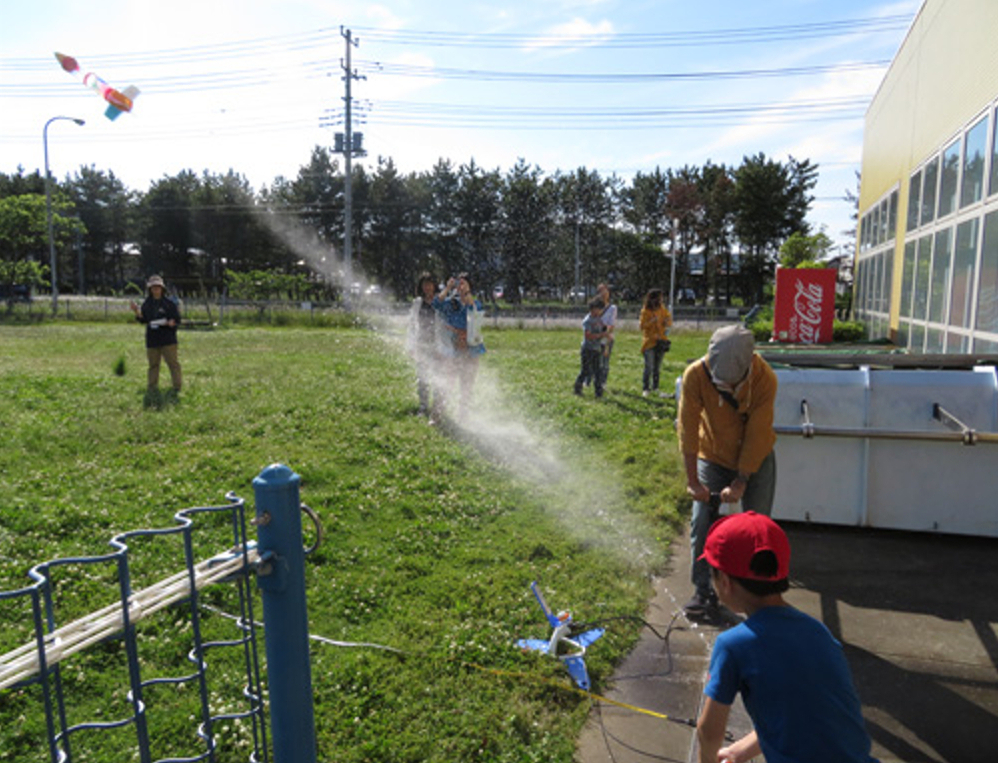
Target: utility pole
x,y
577,261
53,275
349,146
672,277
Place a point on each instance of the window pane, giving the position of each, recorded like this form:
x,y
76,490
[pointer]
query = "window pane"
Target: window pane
x,y
940,275
951,172
993,188
858,289
875,227
921,297
934,341
957,343
883,221
917,337
907,278
888,279
983,346
987,294
864,288
864,233
904,330
914,200
875,284
892,220
929,191
868,286
963,273
973,163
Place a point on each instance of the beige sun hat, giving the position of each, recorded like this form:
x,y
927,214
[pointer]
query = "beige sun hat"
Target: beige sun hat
x,y
155,281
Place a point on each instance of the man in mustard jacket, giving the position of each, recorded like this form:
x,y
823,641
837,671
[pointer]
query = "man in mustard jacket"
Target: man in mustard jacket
x,y
725,428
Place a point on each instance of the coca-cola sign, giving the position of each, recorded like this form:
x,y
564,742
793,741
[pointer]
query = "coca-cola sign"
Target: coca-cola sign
x,y
805,305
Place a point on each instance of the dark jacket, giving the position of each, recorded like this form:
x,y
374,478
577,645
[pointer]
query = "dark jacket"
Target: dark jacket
x,y
152,312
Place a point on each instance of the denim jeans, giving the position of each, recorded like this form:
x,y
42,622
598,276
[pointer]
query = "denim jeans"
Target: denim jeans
x,y
591,362
653,364
604,364
758,497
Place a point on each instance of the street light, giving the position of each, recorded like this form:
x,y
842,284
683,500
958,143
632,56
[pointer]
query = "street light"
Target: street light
x,y
48,208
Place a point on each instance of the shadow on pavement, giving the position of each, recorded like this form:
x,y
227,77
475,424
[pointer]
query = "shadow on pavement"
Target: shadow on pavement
x,y
917,615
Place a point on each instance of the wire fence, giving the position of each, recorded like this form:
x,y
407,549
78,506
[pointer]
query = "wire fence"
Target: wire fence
x,y
206,313
156,639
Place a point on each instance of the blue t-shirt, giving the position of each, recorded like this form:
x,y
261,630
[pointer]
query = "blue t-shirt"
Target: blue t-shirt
x,y
591,325
796,685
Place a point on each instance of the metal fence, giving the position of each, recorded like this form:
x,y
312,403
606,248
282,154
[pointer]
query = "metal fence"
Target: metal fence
x,y
277,561
201,312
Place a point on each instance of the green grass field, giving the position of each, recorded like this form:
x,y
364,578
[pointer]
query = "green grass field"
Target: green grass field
x,y
432,534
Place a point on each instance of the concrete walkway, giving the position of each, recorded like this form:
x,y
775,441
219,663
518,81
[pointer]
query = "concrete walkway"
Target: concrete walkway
x,y
916,613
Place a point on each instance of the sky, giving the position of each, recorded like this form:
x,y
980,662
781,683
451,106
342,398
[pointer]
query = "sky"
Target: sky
x,y
616,86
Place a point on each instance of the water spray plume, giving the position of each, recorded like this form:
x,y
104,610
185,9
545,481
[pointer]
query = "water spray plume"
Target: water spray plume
x,y
582,494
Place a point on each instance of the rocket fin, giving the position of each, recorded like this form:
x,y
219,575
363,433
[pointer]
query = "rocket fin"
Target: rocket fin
x,y
130,93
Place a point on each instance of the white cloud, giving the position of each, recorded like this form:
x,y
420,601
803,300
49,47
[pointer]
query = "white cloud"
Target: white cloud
x,y
860,84
383,17
395,88
578,30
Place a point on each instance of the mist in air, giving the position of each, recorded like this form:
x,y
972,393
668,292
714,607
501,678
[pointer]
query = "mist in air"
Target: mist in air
x,y
582,493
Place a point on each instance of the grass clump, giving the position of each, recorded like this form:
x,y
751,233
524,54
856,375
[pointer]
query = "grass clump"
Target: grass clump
x,y
432,534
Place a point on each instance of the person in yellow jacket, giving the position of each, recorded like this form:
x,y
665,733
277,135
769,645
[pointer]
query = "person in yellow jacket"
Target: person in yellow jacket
x,y
654,322
725,432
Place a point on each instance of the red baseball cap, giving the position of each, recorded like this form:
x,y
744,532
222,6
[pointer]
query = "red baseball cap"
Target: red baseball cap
x,y
735,539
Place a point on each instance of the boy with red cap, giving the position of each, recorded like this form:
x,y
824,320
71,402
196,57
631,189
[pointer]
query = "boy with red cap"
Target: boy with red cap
x,y
790,670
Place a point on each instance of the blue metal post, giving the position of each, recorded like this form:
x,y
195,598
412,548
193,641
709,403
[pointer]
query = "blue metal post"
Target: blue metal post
x,y
281,579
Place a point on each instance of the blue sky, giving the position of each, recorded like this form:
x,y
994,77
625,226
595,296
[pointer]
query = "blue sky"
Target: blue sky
x,y
616,86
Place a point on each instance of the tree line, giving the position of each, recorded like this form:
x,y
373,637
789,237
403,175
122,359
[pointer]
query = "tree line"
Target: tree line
x,y
524,229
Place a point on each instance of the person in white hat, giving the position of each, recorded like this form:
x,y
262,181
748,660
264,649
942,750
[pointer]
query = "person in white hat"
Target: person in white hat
x,y
725,431
161,317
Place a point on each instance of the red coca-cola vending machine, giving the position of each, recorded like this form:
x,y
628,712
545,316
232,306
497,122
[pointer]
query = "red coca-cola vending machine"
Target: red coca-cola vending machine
x,y
805,305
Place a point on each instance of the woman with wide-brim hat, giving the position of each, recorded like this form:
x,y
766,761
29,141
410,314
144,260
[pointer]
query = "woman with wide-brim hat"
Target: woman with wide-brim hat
x,y
161,317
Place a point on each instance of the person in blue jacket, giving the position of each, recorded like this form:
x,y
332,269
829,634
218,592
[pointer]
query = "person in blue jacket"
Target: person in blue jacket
x,y
462,344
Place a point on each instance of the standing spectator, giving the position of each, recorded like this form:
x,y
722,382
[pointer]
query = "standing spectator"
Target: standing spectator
x,y
421,342
161,317
462,315
725,428
591,354
654,322
609,318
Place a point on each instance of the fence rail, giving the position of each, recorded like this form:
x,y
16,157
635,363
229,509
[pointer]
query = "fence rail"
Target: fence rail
x,y
275,559
25,662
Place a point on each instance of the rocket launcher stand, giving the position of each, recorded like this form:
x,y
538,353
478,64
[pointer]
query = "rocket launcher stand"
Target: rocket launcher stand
x,y
561,623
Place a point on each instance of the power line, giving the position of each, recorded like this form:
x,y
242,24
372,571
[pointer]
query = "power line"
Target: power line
x,y
282,44
274,61
324,37
485,75
466,116
320,69
185,83
685,38
823,105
